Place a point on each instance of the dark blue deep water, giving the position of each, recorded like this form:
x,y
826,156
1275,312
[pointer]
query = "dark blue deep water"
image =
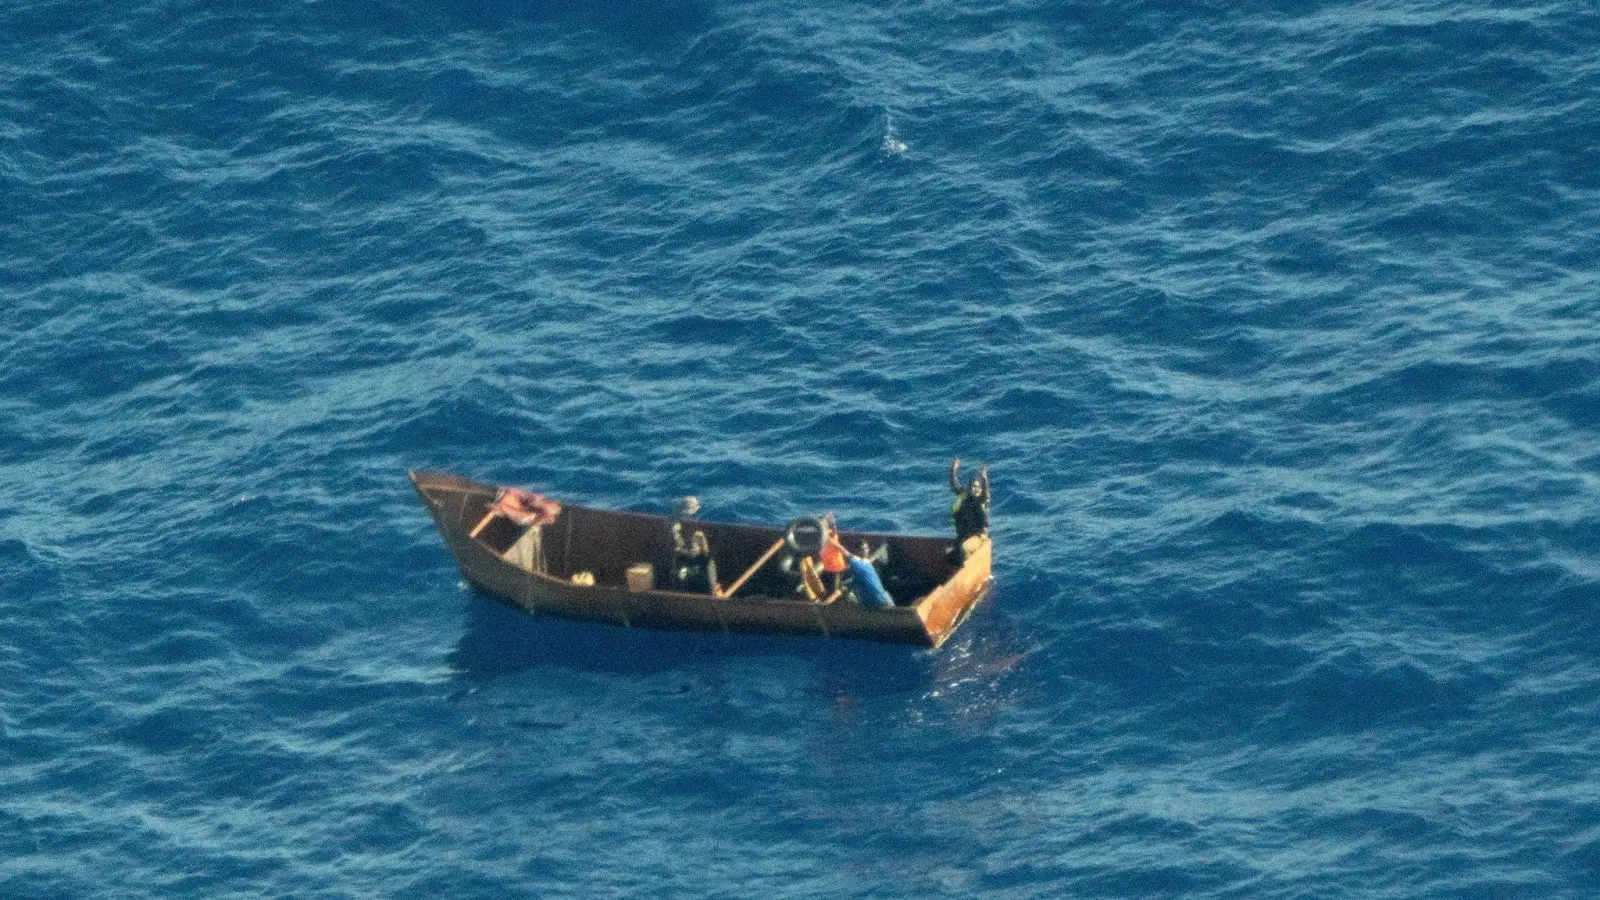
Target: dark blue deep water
x,y
1278,324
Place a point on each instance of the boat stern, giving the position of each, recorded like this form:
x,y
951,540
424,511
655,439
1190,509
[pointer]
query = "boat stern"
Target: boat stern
x,y
943,611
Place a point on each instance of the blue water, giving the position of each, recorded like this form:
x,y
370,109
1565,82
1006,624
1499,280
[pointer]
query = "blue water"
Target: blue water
x,y
1278,324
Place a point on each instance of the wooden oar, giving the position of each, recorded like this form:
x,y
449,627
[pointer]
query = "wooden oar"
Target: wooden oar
x,y
811,580
482,523
752,570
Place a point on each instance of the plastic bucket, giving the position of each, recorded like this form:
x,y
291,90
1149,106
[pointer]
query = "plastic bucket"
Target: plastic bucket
x,y
641,577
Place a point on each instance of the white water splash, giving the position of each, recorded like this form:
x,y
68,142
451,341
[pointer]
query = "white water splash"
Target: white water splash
x,y
892,145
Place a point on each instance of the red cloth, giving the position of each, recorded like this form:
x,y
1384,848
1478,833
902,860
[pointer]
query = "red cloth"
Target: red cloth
x,y
526,507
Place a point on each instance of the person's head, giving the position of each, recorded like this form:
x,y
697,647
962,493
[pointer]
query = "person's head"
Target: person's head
x,y
975,487
688,506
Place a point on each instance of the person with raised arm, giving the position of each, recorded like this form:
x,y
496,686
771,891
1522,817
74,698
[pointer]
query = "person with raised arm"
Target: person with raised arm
x,y
970,511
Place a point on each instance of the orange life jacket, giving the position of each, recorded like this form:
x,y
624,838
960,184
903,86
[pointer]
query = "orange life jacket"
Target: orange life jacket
x,y
832,555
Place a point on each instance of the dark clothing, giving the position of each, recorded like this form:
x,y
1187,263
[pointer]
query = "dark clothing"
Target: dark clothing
x,y
695,574
970,515
693,569
682,528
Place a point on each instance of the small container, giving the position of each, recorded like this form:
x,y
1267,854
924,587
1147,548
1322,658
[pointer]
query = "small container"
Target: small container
x,y
641,577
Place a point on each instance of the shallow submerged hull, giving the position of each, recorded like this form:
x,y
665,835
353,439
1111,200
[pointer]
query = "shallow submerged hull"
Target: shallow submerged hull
x,y
605,544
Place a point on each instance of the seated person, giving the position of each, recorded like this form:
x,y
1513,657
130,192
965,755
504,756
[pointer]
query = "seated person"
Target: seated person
x,y
865,585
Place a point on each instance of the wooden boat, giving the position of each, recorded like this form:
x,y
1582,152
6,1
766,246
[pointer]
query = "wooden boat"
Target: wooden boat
x,y
583,542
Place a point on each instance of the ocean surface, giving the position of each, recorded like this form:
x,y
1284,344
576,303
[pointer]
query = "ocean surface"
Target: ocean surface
x,y
1278,325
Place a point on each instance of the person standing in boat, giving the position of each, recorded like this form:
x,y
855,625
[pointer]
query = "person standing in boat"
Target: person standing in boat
x,y
695,571
683,523
970,511
693,568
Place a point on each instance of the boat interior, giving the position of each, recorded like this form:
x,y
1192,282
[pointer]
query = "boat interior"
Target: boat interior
x,y
606,544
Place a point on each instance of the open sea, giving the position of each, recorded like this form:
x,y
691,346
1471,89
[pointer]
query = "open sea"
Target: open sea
x,y
1277,323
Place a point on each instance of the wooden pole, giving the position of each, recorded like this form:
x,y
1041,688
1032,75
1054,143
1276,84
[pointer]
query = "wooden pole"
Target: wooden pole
x,y
481,523
752,570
